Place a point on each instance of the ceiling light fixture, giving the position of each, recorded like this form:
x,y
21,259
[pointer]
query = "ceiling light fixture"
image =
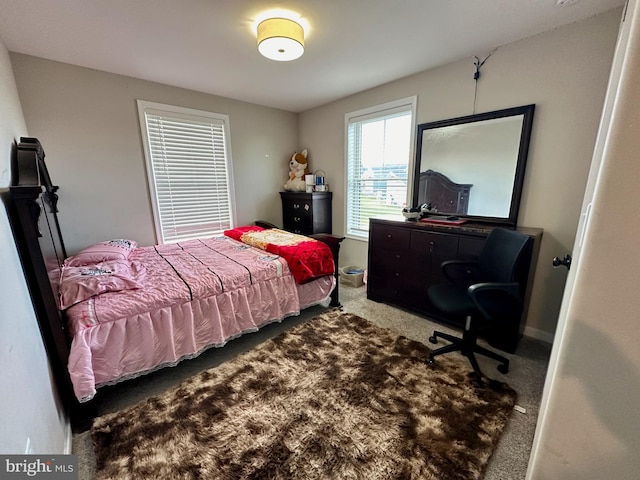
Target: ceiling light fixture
x,y
280,39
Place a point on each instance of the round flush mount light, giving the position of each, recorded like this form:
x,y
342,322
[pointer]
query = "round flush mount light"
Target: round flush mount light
x,y
280,39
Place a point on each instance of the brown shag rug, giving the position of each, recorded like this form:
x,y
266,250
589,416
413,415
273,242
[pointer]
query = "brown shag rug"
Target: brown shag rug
x,y
334,398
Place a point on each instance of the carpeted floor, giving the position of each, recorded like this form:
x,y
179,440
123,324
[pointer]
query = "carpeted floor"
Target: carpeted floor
x,y
527,371
526,376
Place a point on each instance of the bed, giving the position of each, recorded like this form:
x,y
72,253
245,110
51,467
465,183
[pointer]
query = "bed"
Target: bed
x,y
115,311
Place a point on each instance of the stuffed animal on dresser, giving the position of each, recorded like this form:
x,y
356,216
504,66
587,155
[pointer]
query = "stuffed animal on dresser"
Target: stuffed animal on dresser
x,y
298,168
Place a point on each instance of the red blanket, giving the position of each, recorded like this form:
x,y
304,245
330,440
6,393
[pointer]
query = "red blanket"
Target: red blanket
x,y
308,258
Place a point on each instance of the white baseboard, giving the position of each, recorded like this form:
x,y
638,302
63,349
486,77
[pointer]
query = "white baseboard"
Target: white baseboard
x,y
539,334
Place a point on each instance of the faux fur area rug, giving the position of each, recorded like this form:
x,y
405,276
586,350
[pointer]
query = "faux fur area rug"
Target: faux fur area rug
x,y
334,398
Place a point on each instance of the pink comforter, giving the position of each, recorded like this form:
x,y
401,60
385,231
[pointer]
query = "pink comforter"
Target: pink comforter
x,y
195,295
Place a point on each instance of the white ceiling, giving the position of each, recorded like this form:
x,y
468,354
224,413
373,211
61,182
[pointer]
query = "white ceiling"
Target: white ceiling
x,y
210,45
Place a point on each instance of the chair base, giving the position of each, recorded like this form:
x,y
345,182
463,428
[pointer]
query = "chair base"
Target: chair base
x,y
468,347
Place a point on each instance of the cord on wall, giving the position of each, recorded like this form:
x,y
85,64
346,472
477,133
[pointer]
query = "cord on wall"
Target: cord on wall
x,y
478,63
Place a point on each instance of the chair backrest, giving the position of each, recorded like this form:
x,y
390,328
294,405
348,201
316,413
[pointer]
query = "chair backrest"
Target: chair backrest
x,y
506,256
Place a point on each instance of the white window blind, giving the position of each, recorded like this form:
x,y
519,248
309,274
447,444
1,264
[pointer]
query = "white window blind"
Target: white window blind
x,y
189,171
379,143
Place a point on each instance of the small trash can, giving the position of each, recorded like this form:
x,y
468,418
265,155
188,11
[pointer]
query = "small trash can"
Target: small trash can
x,y
352,275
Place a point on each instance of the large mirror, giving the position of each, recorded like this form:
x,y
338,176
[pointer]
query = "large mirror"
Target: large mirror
x,y
473,167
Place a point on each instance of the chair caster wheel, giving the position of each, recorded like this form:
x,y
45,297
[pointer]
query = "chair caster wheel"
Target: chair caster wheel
x,y
503,368
433,339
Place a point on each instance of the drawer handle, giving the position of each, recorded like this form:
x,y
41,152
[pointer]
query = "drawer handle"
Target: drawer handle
x,y
397,274
389,236
398,256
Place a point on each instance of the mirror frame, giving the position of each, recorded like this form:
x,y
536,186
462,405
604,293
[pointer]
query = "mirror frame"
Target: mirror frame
x,y
525,137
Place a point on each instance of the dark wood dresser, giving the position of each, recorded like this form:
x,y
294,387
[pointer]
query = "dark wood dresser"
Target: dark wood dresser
x,y
306,213
405,258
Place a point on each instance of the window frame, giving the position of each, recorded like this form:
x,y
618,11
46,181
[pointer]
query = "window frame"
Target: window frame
x,y
145,106
408,104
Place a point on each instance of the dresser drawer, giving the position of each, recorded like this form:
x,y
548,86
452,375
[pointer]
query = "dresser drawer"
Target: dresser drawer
x,y
390,288
390,238
390,258
300,230
392,263
440,245
299,224
297,207
298,221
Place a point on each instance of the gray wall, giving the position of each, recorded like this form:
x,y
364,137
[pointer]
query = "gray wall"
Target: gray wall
x,y
28,408
564,72
88,124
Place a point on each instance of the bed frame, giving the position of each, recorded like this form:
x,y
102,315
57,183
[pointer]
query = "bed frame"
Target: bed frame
x,y
33,214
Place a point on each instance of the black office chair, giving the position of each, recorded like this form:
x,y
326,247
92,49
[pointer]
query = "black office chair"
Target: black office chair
x,y
488,292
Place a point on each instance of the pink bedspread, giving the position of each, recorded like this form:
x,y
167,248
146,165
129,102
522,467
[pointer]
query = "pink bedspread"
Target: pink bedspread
x,y
195,295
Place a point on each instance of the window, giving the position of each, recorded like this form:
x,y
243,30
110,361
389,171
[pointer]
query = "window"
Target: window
x,y
379,144
189,171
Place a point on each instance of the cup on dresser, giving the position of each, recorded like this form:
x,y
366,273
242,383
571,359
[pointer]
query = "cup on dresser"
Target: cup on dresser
x,y
310,181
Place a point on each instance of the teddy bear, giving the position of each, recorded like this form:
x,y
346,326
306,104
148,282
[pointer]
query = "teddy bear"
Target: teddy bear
x,y
299,167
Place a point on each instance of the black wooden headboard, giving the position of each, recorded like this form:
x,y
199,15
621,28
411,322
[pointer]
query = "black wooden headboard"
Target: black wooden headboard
x,y
32,206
